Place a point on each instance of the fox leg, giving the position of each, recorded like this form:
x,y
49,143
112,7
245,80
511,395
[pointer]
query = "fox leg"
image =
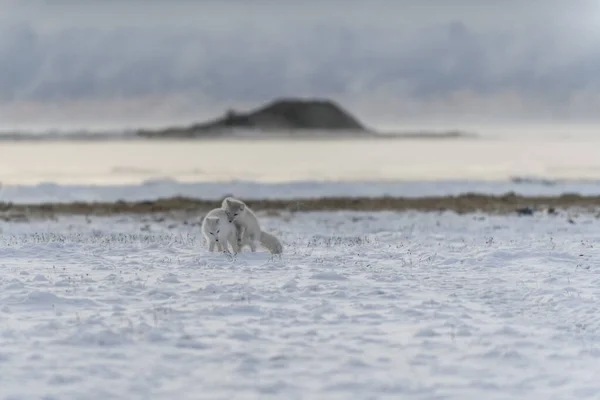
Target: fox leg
x,y
211,246
239,236
252,243
232,240
219,247
225,247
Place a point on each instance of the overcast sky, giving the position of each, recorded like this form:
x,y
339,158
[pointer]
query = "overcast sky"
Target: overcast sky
x,y
390,62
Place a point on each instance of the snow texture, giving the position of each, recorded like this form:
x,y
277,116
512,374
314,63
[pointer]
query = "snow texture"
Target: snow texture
x,y
360,306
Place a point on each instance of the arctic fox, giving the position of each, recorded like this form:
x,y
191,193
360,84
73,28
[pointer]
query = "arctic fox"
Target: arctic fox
x,y
217,229
248,228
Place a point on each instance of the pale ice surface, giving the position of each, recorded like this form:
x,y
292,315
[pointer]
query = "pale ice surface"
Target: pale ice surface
x,y
361,306
32,172
272,161
248,190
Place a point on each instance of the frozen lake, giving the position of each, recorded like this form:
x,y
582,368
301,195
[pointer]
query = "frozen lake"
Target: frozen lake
x,y
269,161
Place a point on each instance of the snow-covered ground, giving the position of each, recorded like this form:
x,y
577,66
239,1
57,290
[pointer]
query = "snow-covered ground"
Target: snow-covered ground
x,y
361,306
164,188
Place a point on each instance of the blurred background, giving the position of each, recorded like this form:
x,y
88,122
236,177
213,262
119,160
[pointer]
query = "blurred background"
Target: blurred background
x,y
480,92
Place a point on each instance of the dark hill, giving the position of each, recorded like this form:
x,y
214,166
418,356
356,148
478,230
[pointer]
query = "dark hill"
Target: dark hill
x,y
280,115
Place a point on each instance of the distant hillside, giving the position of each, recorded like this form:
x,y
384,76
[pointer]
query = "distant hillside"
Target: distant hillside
x,y
291,118
280,115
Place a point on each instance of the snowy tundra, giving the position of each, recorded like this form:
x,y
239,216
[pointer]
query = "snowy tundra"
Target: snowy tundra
x,y
361,306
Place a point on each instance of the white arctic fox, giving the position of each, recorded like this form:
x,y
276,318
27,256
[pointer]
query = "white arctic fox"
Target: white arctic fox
x,y
217,229
248,228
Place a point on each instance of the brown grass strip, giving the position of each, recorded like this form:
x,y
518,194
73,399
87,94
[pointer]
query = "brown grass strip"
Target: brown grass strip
x,y
465,203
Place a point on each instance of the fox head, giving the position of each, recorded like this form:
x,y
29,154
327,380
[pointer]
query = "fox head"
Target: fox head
x,y
213,227
233,208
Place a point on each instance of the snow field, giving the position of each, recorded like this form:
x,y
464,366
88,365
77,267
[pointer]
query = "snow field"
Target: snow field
x,y
360,306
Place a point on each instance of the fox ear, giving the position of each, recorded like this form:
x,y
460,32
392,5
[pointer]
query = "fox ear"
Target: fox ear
x,y
227,202
241,207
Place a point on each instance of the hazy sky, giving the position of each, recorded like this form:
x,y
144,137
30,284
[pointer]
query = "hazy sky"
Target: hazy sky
x,y
390,62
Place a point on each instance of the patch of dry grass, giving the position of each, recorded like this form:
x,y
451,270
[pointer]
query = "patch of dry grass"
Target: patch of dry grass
x,y
466,203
